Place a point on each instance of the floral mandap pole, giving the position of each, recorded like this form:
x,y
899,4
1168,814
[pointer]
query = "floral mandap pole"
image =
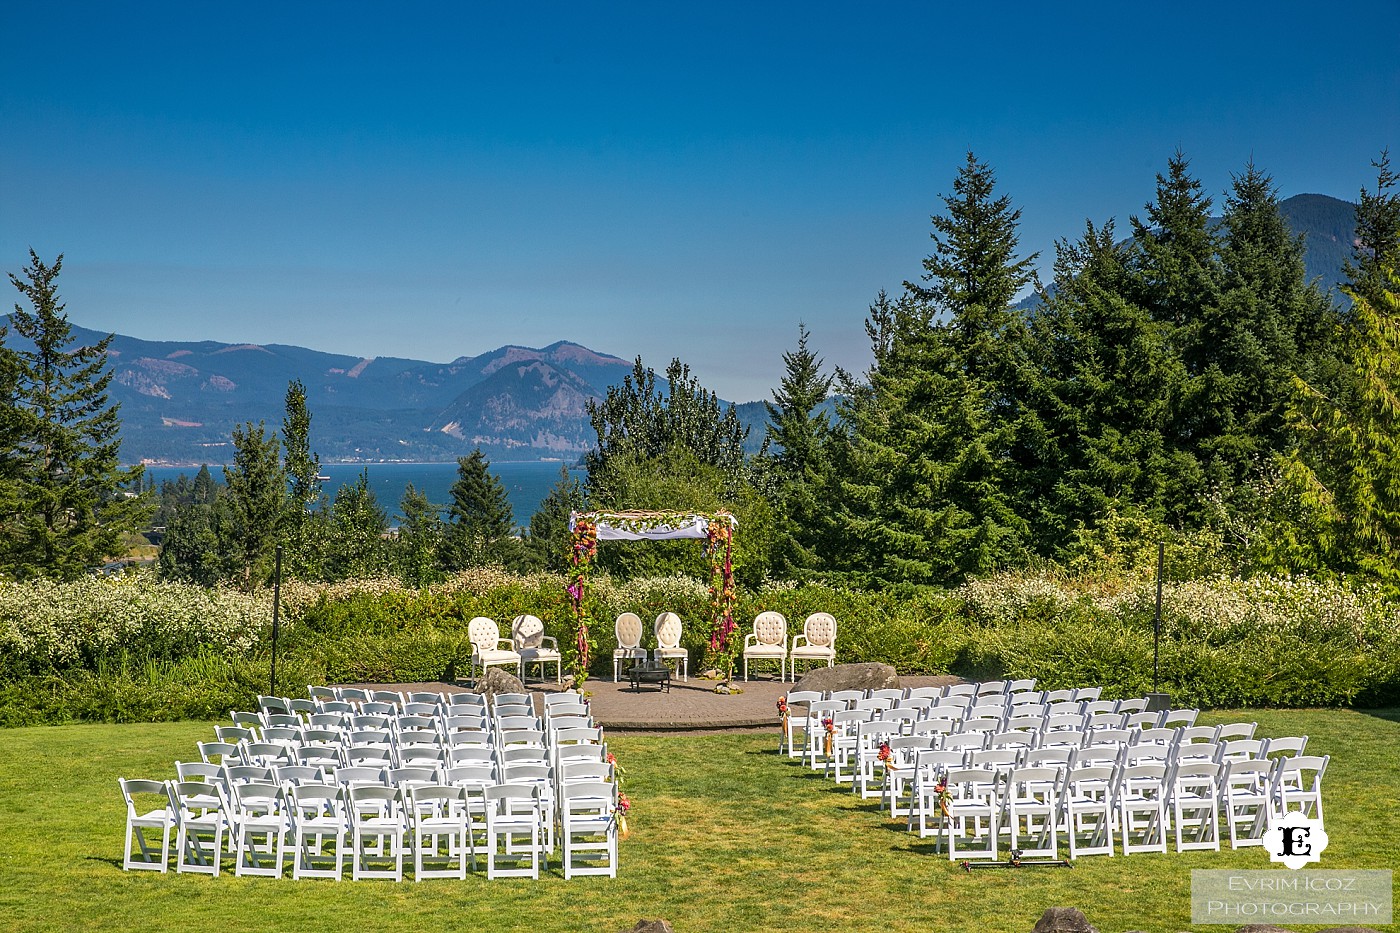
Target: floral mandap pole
x,y
720,545
583,549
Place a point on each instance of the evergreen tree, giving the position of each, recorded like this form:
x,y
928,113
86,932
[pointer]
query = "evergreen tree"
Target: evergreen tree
x,y
420,538
797,473
205,489
1108,377
256,493
640,419
198,545
932,462
61,482
1377,234
1345,475
357,529
302,467
480,521
1348,470
546,541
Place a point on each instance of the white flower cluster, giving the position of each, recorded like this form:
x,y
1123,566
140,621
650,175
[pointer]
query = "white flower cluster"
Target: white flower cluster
x,y
63,624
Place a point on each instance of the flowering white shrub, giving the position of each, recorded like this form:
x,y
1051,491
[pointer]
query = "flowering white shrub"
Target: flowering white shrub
x,y
51,624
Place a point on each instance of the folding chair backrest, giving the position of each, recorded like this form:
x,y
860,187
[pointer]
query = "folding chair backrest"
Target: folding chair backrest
x,y
1287,745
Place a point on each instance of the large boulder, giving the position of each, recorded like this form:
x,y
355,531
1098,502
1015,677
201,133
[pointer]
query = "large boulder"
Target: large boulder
x,y
868,676
651,926
495,681
1063,920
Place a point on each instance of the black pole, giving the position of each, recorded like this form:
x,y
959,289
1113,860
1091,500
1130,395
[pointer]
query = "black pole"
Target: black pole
x,y
276,602
1157,619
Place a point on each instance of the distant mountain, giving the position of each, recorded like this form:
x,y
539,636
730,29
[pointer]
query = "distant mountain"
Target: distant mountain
x,y
181,400
1328,226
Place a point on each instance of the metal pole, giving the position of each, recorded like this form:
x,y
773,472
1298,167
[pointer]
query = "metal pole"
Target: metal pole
x,y
1157,619
276,603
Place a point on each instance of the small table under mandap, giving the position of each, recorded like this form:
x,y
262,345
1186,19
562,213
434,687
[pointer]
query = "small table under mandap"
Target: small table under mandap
x,y
650,672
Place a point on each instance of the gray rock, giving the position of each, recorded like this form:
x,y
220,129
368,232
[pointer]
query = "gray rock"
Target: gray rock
x,y
1063,920
495,681
1261,928
1351,930
869,676
651,926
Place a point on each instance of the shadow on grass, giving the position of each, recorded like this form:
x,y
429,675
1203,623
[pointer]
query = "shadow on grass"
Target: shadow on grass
x,y
1390,714
114,862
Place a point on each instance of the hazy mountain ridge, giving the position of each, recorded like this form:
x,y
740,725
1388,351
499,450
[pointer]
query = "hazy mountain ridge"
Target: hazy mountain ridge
x,y
181,399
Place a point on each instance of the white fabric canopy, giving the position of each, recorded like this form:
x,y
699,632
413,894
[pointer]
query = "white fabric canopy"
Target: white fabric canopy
x,y
649,526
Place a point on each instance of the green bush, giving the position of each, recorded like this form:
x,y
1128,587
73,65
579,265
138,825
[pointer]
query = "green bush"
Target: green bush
x,y
133,649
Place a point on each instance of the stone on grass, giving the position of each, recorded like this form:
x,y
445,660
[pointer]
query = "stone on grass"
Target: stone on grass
x,y
868,676
1063,920
651,926
1261,928
496,681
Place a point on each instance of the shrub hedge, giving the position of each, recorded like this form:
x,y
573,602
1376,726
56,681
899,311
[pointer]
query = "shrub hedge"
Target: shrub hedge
x,y
133,648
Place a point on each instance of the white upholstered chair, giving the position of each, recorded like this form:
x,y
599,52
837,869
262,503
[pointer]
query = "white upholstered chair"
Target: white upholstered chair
x,y
668,642
535,647
485,636
816,644
767,642
628,629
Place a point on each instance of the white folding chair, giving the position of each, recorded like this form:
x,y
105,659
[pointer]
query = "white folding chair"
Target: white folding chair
x,y
1033,810
437,829
317,821
973,814
144,817
1088,811
260,822
1248,800
377,830
1140,797
1298,784
1195,804
588,828
794,722
201,818
513,812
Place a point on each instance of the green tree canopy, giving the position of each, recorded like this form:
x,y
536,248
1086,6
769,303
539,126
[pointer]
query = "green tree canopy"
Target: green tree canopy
x,y
62,489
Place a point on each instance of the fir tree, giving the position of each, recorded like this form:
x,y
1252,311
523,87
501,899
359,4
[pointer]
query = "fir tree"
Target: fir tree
x,y
640,419
931,465
61,484
302,467
357,529
419,539
480,520
256,492
798,472
547,539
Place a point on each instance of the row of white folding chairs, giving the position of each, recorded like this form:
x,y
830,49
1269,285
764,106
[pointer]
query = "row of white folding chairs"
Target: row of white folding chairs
x,y
437,823
832,748
808,719
1090,803
344,731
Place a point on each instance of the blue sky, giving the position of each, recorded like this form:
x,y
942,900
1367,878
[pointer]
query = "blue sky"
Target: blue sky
x,y
436,180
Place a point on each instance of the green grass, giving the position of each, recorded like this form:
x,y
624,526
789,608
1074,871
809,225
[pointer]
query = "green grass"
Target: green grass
x,y
727,836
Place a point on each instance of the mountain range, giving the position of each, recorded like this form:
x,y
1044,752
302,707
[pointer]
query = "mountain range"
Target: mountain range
x,y
181,400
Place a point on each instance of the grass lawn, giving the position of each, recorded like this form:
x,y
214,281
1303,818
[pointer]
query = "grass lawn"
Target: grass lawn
x,y
727,836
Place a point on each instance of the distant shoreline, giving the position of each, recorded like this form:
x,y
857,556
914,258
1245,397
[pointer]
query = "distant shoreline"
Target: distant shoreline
x,y
194,465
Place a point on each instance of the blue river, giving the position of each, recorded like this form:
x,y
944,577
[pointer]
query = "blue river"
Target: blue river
x,y
526,482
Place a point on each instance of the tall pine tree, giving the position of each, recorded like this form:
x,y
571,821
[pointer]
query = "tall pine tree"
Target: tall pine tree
x,y
933,438
61,484
480,521
798,473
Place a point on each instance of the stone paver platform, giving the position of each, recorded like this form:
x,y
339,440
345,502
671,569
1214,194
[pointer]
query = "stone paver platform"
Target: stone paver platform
x,y
690,705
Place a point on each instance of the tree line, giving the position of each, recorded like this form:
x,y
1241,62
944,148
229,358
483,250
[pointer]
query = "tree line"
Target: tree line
x,y
1180,382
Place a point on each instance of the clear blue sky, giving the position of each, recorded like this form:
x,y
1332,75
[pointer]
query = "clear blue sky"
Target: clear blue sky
x,y
435,180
